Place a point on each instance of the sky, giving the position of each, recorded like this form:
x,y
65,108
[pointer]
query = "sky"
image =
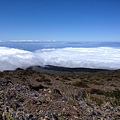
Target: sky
x,y
60,20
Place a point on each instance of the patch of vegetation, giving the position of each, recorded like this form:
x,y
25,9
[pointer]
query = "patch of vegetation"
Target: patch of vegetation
x,y
8,77
8,116
38,80
115,102
14,106
23,79
63,80
86,81
43,80
48,83
46,80
114,94
96,83
109,79
20,98
113,85
1,116
1,74
66,78
72,101
80,84
97,91
28,72
81,77
97,100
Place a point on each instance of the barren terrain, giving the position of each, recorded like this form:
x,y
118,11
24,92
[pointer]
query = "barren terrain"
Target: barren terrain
x,y
44,94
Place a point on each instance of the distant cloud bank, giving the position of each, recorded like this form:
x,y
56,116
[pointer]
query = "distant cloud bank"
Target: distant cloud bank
x,y
101,57
28,41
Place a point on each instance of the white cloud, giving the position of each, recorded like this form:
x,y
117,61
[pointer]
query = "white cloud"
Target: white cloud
x,y
102,57
31,41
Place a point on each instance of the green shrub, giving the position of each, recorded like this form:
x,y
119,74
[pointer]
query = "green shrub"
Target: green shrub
x,y
9,117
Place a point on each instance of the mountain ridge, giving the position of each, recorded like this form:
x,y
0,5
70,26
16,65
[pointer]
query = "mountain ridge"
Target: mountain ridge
x,y
65,69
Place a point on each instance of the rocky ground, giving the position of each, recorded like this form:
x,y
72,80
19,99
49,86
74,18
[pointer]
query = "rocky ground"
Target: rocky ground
x,y
32,95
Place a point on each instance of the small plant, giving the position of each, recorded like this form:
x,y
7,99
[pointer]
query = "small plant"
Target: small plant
x,y
8,116
115,102
87,97
20,98
13,105
97,100
72,101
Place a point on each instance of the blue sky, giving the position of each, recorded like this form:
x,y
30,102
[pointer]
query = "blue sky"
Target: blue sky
x,y
60,20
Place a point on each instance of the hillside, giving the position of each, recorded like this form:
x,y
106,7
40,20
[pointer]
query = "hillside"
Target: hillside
x,y
51,92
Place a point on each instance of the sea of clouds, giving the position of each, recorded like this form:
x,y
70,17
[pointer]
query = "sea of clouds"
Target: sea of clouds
x,y
101,57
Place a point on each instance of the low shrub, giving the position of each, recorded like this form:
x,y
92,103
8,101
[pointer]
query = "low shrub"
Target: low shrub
x,y
97,91
80,84
97,100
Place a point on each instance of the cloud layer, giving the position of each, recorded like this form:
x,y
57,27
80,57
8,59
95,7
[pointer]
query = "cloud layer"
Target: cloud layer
x,y
29,41
101,57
